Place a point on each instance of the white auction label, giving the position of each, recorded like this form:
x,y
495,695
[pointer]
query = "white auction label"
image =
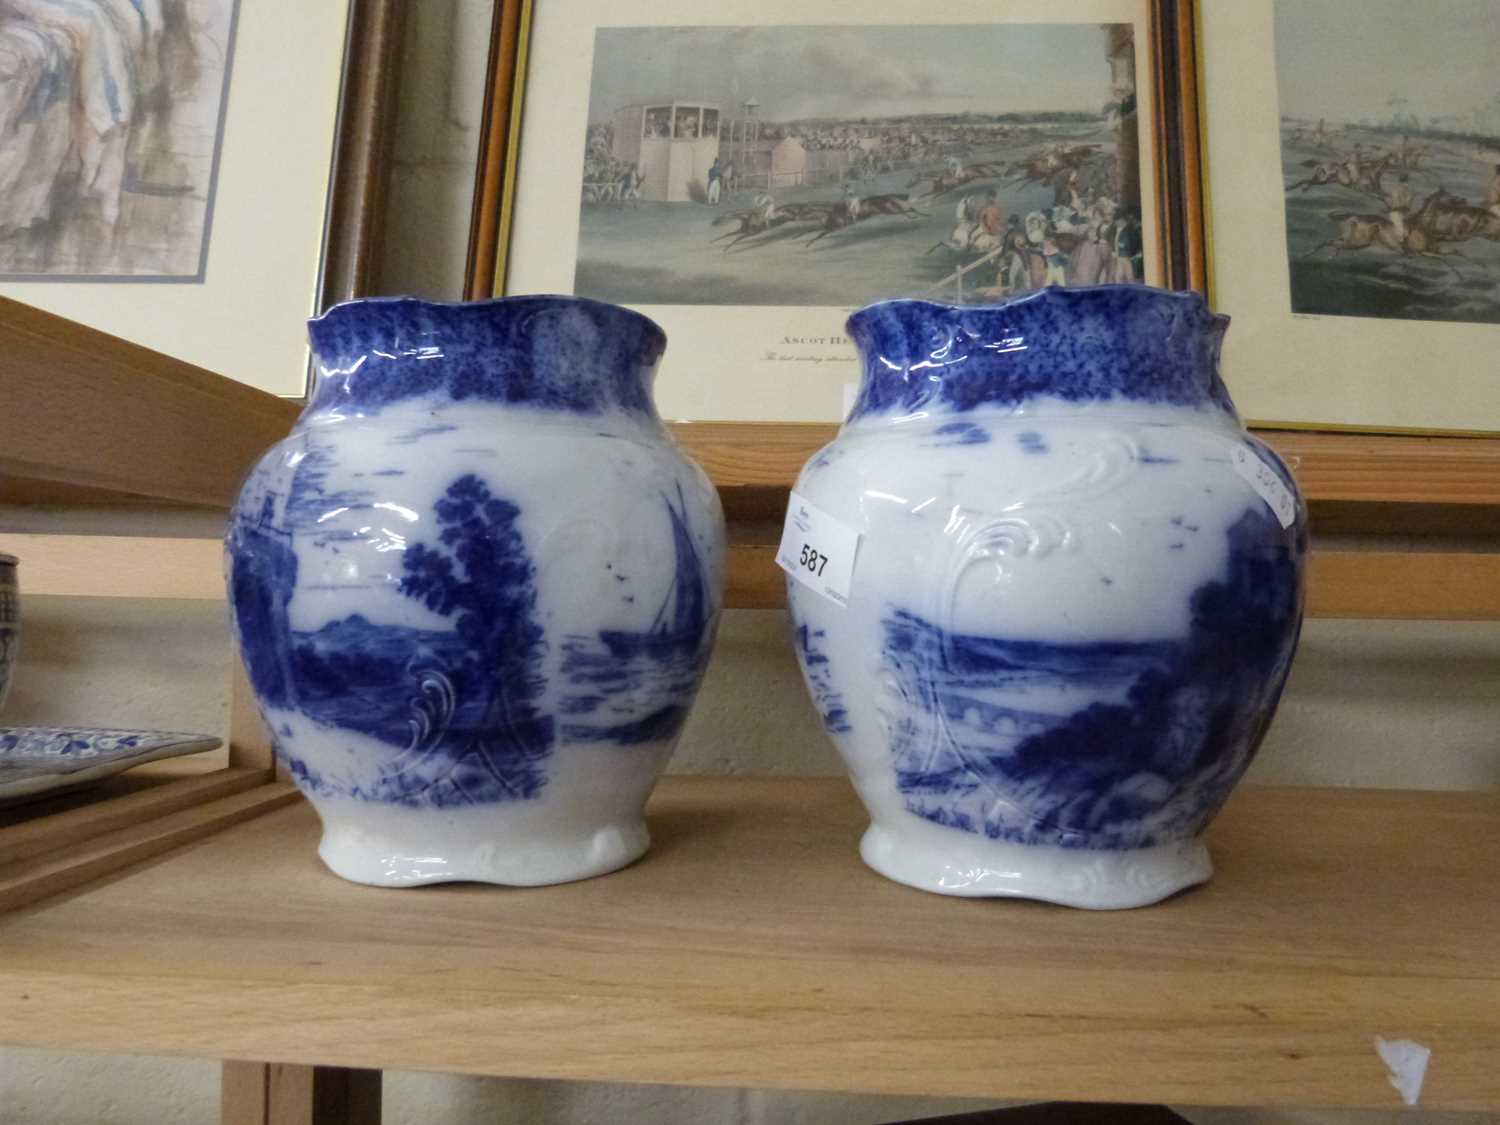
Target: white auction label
x,y
1267,484
818,550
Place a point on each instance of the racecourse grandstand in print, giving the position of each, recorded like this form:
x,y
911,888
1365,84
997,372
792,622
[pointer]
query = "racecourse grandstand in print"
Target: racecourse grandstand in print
x,y
842,165
110,114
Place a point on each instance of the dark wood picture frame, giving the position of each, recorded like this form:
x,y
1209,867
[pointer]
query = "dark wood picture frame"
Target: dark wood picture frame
x,y
365,134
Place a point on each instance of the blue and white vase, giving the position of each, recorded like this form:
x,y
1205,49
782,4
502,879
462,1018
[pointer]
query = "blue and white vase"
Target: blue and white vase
x,y
1075,599
476,588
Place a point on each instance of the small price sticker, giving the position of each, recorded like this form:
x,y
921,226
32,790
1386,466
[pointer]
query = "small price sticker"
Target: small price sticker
x,y
1266,483
818,550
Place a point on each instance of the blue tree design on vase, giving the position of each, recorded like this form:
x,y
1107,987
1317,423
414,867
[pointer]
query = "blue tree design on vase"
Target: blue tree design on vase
x,y
480,574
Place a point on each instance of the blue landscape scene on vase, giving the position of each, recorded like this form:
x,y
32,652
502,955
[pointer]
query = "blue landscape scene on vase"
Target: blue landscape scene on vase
x,y
1151,767
631,687
818,673
462,707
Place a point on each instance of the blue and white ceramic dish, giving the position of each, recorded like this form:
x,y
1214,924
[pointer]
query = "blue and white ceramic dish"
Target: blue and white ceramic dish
x,y
35,760
1072,611
477,587
10,622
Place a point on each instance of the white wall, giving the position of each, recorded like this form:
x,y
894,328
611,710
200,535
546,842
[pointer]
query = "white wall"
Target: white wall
x,y
1405,704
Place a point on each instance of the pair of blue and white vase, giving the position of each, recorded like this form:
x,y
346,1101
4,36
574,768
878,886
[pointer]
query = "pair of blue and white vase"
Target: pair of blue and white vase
x,y
477,588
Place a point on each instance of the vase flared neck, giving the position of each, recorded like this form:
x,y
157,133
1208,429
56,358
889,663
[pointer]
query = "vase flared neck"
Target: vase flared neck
x,y
558,354
1106,343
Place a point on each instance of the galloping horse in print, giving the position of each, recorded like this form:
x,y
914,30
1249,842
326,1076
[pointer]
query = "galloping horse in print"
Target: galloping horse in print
x,y
847,212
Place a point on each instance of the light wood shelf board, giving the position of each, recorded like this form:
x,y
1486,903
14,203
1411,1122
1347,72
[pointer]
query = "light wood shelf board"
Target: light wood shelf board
x,y
1329,467
752,948
103,413
1391,469
1420,585
117,566
752,580
1431,585
33,837
38,877
133,782
27,491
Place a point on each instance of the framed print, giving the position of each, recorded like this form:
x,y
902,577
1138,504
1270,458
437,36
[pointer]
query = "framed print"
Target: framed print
x,y
746,173
171,172
1353,203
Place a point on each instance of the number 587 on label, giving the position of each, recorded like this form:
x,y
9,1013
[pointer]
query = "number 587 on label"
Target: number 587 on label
x,y
818,550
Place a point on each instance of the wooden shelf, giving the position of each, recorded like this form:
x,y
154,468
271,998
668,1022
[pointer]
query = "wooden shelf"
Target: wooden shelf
x,y
135,421
1413,585
1328,467
752,948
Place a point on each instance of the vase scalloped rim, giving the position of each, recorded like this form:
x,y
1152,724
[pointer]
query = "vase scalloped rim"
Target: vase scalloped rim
x,y
537,300
9,560
1071,293
1050,293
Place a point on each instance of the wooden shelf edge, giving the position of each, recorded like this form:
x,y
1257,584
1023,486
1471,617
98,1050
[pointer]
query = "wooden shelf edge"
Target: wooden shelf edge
x,y
117,566
39,876
50,833
798,968
1410,585
135,421
1328,466
1424,585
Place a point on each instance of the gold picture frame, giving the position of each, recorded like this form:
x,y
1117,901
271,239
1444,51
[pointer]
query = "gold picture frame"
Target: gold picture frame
x,y
1288,367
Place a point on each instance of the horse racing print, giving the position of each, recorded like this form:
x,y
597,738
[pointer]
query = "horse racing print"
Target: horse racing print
x,y
1390,150
748,172
837,165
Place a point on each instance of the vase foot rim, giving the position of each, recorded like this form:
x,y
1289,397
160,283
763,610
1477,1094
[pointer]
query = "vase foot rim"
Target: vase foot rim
x,y
976,867
518,861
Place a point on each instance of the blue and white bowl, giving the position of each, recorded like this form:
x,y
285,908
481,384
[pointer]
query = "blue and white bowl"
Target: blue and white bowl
x,y
477,587
1075,600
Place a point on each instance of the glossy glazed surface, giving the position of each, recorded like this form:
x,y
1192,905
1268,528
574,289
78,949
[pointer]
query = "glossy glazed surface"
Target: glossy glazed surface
x,y
476,610
1071,618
